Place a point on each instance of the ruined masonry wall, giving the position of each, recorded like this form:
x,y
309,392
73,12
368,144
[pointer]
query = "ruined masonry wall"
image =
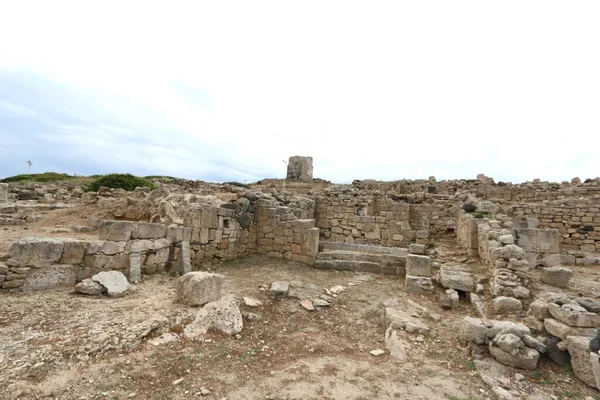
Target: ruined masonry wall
x,y
578,225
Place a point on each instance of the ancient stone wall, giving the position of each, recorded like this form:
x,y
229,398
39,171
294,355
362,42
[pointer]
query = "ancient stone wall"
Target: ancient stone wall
x,y
578,224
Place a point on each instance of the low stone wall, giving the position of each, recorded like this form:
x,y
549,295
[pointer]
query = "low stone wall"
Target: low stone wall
x,y
578,224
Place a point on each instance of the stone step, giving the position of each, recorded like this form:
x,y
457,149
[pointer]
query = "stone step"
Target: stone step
x,y
358,261
362,248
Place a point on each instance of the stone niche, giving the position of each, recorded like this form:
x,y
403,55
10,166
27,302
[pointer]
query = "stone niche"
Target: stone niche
x,y
300,168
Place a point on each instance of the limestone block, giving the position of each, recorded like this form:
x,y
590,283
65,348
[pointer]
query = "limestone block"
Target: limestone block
x,y
508,252
114,281
3,192
527,239
504,304
279,290
116,231
198,288
595,361
556,276
481,332
548,241
539,310
562,330
110,248
578,347
414,248
523,358
399,319
50,277
418,265
201,217
418,284
366,266
458,280
73,251
36,252
574,315
88,286
223,314
148,230
589,304
12,284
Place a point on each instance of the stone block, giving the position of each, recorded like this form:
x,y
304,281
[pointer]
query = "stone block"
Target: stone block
x,y
548,241
366,266
148,230
562,330
418,265
12,284
3,192
114,281
458,280
116,231
135,267
36,252
51,277
279,290
110,248
418,284
539,310
527,239
202,217
504,304
578,347
414,248
574,315
223,314
73,252
556,276
595,362
198,288
88,286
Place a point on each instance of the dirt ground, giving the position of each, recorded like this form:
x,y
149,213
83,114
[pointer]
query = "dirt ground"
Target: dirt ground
x,y
60,345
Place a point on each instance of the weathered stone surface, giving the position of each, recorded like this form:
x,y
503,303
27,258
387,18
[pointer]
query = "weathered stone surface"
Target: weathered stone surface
x,y
3,192
449,299
114,281
50,277
73,252
414,248
518,357
135,267
458,280
504,304
556,276
399,319
508,252
279,290
223,314
589,304
539,310
110,248
36,252
480,332
574,315
88,286
595,361
578,347
12,284
418,265
116,231
3,269
300,168
561,330
418,284
532,342
198,288
148,230
396,344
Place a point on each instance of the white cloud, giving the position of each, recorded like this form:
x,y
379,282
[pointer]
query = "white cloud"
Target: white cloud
x,y
385,89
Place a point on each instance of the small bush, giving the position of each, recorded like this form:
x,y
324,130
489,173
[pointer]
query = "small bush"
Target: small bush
x,y
237,184
45,177
119,181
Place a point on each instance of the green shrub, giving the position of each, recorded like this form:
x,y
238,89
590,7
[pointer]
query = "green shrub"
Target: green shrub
x,y
119,181
45,177
237,184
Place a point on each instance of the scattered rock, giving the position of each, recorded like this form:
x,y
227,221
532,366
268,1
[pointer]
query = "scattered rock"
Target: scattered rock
x,y
223,314
556,276
164,338
578,347
377,352
574,315
307,305
504,304
114,281
198,288
279,290
252,302
88,286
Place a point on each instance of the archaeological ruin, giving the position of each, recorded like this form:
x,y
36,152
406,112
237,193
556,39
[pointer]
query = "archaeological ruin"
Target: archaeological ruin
x,y
527,277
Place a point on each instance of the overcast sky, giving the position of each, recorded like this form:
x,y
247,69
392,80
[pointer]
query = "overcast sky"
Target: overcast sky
x,y
221,90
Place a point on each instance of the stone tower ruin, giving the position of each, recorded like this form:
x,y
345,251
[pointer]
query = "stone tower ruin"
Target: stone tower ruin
x,y
300,168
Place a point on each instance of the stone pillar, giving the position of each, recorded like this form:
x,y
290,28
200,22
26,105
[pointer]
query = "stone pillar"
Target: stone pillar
x,y
300,168
135,267
186,261
4,191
